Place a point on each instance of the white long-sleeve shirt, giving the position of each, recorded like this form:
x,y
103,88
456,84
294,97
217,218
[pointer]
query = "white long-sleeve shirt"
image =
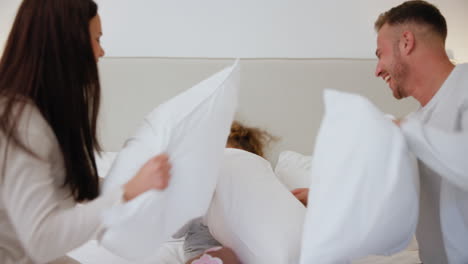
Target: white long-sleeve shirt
x,y
438,134
39,219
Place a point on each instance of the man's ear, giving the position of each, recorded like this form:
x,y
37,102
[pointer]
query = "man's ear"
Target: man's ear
x,y
407,42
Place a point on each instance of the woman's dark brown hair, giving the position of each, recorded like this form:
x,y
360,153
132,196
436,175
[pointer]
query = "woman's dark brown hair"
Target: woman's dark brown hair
x,y
249,139
49,62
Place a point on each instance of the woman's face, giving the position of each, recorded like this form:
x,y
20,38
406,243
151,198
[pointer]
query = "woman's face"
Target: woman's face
x,y
95,31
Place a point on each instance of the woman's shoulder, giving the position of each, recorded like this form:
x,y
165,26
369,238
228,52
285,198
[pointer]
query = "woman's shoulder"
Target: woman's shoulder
x,y
30,127
32,120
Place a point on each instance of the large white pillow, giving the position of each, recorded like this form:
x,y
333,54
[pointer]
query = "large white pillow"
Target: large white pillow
x,y
104,161
253,213
192,128
365,185
293,169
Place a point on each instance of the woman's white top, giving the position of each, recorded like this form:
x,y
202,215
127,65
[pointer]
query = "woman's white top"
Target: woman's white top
x,y
39,219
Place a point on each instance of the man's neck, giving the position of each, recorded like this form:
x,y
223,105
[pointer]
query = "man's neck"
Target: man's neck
x,y
429,78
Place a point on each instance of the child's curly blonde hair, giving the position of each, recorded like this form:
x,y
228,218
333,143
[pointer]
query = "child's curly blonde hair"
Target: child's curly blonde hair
x,y
248,138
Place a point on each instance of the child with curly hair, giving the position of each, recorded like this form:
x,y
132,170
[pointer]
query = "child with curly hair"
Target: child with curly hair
x,y
199,246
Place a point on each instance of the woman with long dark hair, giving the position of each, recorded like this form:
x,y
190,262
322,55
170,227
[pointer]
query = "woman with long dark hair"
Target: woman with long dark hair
x,y
49,104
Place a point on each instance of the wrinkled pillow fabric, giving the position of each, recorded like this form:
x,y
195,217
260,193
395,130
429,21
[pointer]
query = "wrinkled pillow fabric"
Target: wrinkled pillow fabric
x,y
293,169
444,152
253,213
192,129
104,162
365,185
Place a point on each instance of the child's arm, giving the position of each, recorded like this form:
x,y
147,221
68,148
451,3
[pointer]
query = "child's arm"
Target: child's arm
x,y
217,255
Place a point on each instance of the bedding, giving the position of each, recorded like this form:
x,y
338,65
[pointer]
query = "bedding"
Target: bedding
x,y
365,185
258,72
171,252
253,213
293,169
404,257
104,161
192,129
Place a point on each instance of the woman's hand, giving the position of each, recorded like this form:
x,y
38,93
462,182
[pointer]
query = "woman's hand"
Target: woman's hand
x,y
154,174
302,194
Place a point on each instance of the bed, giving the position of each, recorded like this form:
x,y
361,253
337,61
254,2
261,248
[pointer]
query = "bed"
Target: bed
x,y
277,95
172,253
91,253
290,163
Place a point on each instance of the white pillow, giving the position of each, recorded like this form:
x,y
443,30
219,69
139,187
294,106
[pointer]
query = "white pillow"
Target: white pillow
x,y
293,169
444,152
104,162
253,213
366,185
192,128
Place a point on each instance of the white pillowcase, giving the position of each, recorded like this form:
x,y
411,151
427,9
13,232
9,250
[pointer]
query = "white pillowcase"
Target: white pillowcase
x,y
444,152
192,128
104,162
365,186
293,169
253,213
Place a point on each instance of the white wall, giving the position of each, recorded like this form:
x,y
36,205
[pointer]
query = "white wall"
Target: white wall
x,y
250,29
7,13
282,96
256,29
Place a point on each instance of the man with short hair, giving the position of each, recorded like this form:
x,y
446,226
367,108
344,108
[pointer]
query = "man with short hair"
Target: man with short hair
x,y
413,62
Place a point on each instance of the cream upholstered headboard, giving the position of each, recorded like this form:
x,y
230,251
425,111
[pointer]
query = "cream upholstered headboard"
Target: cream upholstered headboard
x,y
282,96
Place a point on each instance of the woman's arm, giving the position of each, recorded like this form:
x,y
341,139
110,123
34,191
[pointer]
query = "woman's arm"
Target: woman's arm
x,y
47,221
46,226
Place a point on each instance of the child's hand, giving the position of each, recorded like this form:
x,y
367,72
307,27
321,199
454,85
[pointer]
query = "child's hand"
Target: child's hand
x,y
302,194
154,174
218,255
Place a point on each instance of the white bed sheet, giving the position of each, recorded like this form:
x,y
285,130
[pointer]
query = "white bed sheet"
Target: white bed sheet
x,y
171,252
408,256
404,257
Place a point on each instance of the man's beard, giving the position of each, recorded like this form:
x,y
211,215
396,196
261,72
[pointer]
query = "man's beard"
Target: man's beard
x,y
399,75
